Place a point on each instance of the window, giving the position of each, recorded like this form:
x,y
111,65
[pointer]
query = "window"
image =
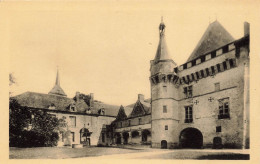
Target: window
x,y
218,129
188,91
72,121
73,136
72,108
121,124
217,86
129,122
103,137
223,108
164,109
188,114
166,127
165,88
139,120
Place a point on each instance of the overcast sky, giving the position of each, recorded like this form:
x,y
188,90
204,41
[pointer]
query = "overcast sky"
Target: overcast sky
x,y
106,48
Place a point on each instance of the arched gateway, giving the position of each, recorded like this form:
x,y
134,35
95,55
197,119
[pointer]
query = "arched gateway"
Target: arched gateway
x,y
191,138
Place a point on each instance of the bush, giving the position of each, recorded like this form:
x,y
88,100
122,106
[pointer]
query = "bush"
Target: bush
x,y
31,128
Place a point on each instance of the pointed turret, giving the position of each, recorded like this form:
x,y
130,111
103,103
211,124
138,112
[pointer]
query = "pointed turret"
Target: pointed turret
x,y
162,51
214,37
162,62
57,90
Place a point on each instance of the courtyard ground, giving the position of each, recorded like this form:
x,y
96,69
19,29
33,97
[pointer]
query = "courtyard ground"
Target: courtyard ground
x,y
125,153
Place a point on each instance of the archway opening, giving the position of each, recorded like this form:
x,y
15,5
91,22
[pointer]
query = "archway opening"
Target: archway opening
x,y
217,143
118,138
85,136
191,138
125,137
164,144
145,134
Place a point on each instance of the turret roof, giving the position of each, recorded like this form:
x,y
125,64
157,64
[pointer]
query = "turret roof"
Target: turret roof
x,y
57,90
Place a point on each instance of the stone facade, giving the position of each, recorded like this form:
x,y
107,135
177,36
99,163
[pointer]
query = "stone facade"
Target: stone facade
x,y
204,102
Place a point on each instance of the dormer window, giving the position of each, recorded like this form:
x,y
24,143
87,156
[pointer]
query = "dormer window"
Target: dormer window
x,y
72,108
52,106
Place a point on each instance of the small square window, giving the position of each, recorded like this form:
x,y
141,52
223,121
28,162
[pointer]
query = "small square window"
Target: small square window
x,y
166,127
218,129
217,86
139,120
164,109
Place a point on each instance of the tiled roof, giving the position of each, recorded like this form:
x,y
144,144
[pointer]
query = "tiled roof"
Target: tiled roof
x,y
110,110
40,100
214,37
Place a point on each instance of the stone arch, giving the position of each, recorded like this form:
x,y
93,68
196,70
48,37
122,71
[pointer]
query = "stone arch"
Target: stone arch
x,y
125,137
145,134
163,144
191,138
217,143
118,138
134,134
85,136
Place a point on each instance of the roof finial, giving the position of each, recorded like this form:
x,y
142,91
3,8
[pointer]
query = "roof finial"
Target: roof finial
x,y
161,27
57,77
216,16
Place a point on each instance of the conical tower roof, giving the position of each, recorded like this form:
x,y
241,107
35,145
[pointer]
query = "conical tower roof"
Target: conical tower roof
x,y
162,50
57,90
214,37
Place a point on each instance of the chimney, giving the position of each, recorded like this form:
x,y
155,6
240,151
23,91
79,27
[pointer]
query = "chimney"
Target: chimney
x,y
246,28
141,97
91,101
77,96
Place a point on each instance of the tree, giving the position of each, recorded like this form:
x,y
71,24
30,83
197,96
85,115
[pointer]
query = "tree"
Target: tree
x,y
32,128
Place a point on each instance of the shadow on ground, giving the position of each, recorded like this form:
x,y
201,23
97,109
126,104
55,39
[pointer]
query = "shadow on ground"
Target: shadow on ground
x,y
226,157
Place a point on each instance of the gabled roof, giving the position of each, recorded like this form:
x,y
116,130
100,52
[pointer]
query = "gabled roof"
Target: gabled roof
x,y
214,37
121,114
140,109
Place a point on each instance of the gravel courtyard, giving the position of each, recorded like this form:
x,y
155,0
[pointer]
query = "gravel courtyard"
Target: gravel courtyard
x,y
124,153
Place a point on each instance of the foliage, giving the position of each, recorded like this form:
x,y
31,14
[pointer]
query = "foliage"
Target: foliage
x,y
32,128
84,97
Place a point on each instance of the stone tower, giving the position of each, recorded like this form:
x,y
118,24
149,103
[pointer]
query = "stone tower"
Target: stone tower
x,y
57,90
164,96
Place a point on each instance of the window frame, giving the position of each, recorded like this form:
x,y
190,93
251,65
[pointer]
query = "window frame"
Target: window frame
x,y
73,136
164,108
224,108
188,114
188,91
75,123
166,127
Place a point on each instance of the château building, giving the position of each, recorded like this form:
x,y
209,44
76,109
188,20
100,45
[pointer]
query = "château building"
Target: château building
x,y
203,103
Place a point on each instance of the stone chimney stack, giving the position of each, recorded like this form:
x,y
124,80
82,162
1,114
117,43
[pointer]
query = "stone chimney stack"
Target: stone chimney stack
x,y
141,97
246,28
77,96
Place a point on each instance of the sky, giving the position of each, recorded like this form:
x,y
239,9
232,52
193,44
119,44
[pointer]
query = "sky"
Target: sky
x,y
105,48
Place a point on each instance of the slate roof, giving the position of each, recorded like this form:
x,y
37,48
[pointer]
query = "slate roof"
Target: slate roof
x,y
214,37
61,103
40,100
